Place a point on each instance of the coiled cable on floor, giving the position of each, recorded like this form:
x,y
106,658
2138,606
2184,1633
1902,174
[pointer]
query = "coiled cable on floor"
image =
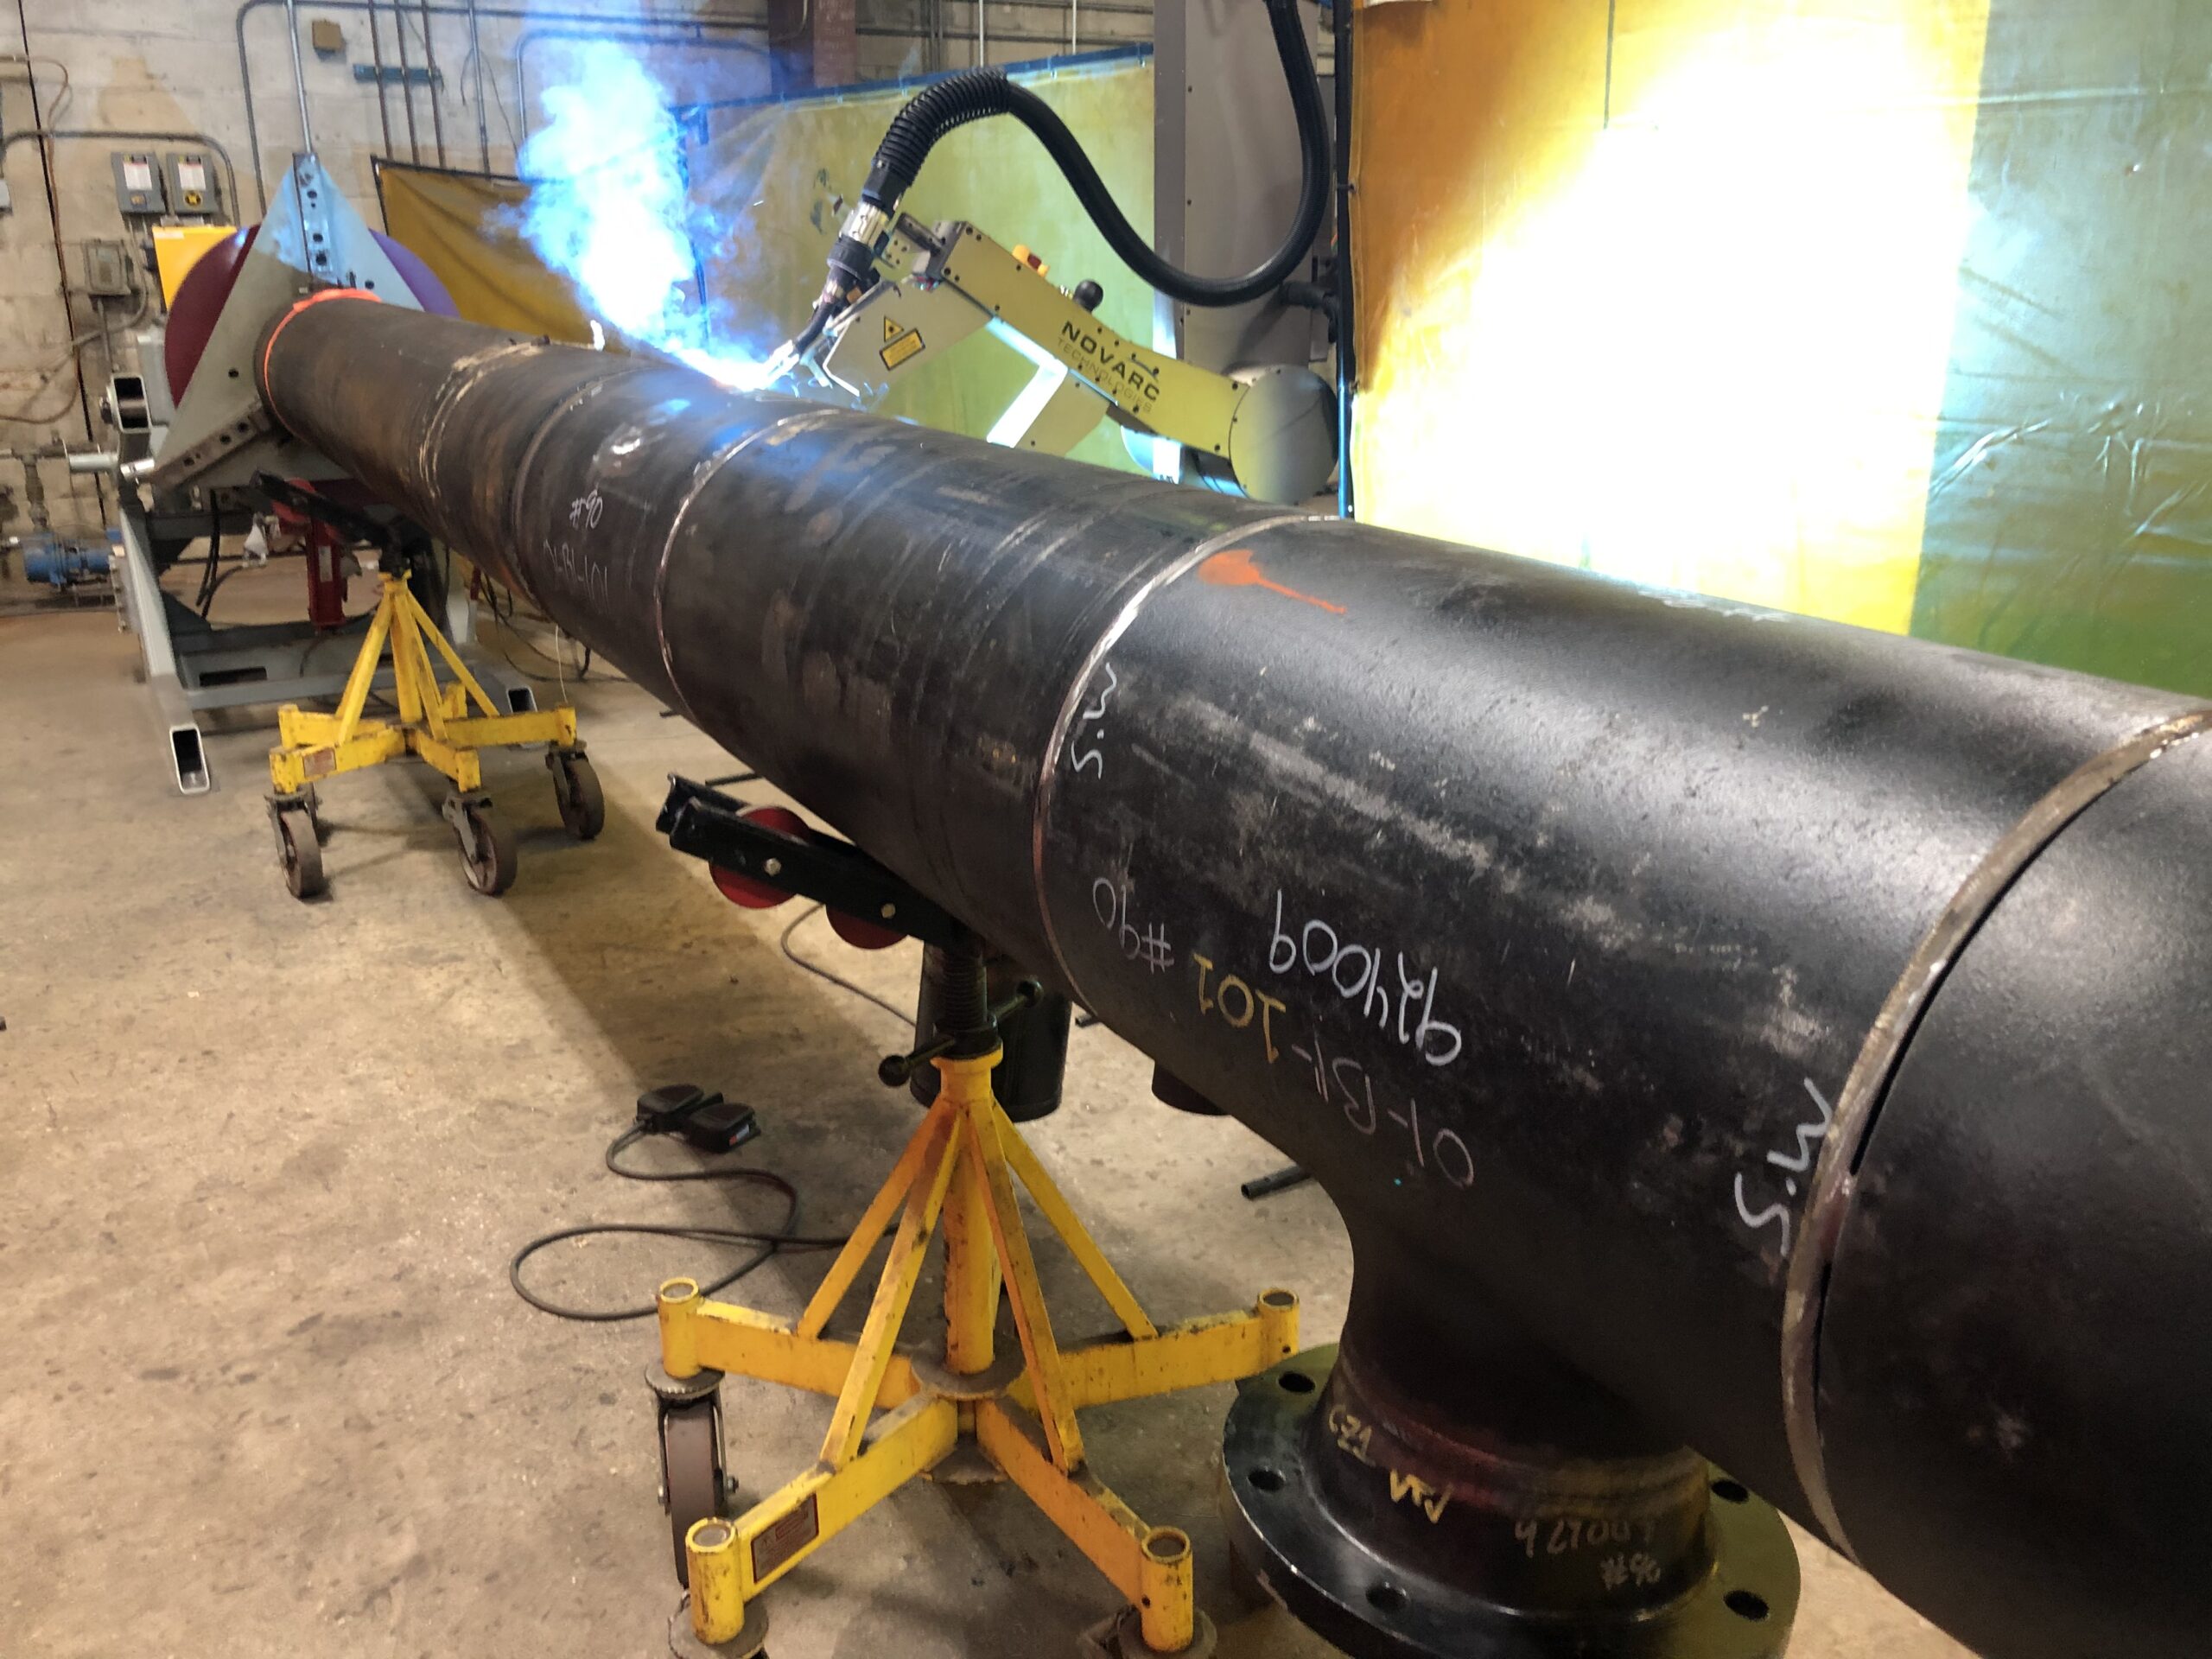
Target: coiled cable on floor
x,y
768,1240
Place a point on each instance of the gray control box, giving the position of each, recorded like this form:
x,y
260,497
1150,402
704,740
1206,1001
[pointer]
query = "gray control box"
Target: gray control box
x,y
107,270
140,191
195,189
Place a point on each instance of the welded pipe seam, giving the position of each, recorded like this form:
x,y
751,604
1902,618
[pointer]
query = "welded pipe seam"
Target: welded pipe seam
x,y
1048,775
467,371
700,479
1858,1104
517,500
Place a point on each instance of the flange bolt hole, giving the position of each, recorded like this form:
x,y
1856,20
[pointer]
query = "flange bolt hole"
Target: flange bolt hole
x,y
1745,1604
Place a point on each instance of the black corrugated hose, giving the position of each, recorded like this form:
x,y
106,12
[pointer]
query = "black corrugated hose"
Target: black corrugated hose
x,y
974,94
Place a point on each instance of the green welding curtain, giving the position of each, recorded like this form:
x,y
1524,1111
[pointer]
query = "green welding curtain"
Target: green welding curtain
x,y
1882,311
773,172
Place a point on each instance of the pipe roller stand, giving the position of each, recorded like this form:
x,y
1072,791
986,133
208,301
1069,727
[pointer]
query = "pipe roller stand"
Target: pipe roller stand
x,y
966,1411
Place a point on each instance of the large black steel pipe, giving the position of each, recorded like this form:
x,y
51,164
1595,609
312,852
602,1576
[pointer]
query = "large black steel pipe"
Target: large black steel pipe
x,y
1715,1026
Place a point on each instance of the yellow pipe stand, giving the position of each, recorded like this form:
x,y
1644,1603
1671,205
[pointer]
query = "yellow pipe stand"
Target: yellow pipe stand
x,y
433,721
959,1169
434,724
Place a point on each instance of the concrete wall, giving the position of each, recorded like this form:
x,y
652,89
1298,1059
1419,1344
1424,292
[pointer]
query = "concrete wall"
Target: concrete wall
x,y
213,68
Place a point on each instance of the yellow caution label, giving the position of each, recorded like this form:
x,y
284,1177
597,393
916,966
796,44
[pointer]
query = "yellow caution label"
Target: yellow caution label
x,y
890,328
902,347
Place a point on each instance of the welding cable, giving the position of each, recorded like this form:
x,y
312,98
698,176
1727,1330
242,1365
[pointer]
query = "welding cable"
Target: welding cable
x,y
488,593
974,94
22,415
768,1240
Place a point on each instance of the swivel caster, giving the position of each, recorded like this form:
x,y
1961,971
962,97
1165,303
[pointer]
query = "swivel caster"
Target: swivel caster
x,y
487,849
299,843
576,789
695,1486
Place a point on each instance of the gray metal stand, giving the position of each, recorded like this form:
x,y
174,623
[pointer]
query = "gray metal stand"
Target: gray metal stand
x,y
192,665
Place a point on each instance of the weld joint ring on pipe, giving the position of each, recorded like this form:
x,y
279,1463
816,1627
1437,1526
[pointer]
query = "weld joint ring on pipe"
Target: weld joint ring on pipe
x,y
283,319
1049,766
1859,1105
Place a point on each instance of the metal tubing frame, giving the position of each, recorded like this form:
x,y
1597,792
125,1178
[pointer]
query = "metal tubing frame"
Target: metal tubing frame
x,y
430,83
406,83
958,1168
518,13
375,58
299,73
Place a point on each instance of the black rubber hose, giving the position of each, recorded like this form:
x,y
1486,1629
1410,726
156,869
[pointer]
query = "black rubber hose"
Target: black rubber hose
x,y
975,93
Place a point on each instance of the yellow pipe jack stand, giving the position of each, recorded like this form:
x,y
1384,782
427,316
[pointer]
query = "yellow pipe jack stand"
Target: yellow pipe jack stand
x,y
434,724
1014,1414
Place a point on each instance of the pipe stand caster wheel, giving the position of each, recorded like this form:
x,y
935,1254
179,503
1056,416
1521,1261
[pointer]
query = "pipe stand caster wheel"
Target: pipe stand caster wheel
x,y
299,844
694,1482
577,790
489,857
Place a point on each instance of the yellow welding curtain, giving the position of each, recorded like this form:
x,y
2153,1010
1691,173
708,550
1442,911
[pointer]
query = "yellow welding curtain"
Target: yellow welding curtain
x,y
467,229
1889,311
774,173
1663,287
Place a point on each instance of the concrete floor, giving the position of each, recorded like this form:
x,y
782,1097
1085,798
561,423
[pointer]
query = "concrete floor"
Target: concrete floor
x,y
263,1387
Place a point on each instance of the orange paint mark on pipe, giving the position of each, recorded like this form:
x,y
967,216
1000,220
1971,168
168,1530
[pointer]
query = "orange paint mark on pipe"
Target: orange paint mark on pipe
x,y
1235,568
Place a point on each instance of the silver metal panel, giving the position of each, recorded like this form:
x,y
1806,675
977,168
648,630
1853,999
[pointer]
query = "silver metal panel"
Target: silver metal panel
x,y
138,608
138,600
1225,176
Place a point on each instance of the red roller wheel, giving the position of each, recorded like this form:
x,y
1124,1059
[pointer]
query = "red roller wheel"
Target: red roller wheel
x,y
868,936
744,889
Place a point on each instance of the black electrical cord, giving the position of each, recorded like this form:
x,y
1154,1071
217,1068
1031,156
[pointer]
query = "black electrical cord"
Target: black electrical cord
x,y
769,1241
564,670
208,580
974,94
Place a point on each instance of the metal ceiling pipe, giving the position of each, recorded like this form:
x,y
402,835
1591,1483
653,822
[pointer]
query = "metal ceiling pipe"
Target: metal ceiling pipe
x,y
1716,1027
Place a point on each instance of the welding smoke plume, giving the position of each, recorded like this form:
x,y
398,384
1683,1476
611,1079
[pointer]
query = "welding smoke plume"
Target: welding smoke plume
x,y
610,208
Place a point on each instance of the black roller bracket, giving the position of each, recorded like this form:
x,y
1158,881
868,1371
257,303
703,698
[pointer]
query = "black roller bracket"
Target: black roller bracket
x,y
708,825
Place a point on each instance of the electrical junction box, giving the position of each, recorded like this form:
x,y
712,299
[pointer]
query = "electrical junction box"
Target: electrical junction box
x,y
138,185
194,191
107,270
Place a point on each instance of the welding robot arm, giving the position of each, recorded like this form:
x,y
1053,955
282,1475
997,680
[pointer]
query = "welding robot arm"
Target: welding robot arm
x,y
1269,433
